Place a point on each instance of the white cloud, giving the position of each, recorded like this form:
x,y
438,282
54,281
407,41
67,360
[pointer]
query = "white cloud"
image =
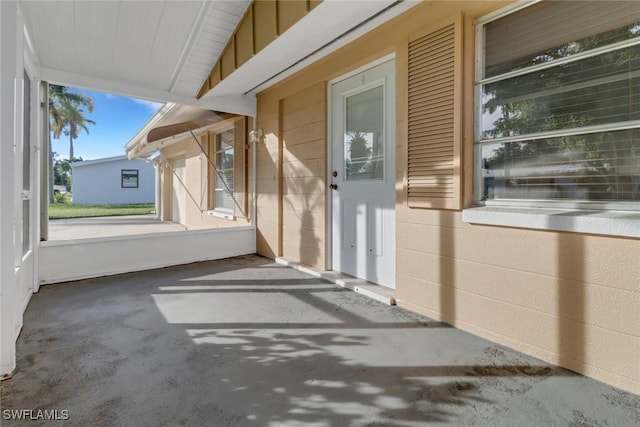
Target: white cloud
x,y
153,106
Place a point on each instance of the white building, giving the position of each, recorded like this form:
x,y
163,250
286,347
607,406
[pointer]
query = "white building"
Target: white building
x,y
113,180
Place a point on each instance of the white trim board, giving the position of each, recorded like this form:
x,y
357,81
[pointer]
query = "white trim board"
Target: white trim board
x,y
609,223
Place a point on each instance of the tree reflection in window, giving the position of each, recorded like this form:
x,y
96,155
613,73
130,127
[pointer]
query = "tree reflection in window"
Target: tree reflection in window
x,y
364,135
576,98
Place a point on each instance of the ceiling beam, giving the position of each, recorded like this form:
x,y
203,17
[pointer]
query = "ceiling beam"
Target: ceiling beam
x,y
237,104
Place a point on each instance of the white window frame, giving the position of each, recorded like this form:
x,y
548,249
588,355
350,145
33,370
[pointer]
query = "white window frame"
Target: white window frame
x,y
219,211
609,218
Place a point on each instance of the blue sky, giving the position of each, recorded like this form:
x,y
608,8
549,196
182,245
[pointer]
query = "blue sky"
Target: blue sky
x,y
117,119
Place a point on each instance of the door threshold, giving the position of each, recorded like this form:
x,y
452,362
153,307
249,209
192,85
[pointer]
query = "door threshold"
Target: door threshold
x,y
361,286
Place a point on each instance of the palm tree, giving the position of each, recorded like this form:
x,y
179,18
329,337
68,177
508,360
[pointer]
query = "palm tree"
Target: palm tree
x,y
67,114
62,104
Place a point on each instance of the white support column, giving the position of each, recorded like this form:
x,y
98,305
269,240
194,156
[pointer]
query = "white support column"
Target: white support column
x,y
8,64
157,166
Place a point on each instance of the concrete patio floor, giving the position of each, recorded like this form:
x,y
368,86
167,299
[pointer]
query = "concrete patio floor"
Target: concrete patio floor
x,y
247,342
106,226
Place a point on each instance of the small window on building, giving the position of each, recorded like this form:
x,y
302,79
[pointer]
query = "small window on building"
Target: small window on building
x,y
558,112
222,156
129,178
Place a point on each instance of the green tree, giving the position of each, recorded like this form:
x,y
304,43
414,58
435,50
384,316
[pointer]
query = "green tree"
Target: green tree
x,y
593,91
62,170
359,154
66,116
67,113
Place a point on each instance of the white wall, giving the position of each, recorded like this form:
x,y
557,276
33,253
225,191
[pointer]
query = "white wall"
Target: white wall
x,y
16,259
62,261
7,191
100,182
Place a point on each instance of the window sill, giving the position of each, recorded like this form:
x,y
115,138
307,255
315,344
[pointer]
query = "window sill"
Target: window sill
x,y
221,214
609,223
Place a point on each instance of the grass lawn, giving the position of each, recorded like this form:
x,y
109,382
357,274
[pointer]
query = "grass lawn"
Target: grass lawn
x,y
69,210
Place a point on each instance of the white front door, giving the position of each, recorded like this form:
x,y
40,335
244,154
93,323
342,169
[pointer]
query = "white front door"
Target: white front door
x,y
362,114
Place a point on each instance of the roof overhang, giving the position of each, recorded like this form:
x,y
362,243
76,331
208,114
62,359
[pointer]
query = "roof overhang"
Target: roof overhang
x,y
171,124
329,26
164,50
159,50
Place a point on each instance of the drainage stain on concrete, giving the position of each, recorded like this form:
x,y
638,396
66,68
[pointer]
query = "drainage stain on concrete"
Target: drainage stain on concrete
x,y
246,342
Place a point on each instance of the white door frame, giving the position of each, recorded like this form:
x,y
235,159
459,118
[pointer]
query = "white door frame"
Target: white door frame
x,y
328,194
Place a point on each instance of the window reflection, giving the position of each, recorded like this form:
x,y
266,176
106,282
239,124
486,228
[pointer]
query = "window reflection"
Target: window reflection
x,y
364,135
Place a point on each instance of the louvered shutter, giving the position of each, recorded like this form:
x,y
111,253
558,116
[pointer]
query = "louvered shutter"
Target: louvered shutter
x,y
239,165
434,119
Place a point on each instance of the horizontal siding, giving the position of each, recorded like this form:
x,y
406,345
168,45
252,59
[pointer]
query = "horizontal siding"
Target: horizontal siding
x,y
305,168
541,332
527,290
302,236
312,221
301,134
267,221
308,255
303,175
296,117
312,185
308,150
521,250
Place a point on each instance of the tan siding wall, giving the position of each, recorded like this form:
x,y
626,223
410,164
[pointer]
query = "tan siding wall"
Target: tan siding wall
x,y
228,60
244,40
267,30
261,24
290,12
268,194
567,298
303,176
197,183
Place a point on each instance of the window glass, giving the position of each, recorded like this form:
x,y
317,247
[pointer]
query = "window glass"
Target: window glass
x,y
599,166
364,135
594,91
548,31
556,123
223,198
129,178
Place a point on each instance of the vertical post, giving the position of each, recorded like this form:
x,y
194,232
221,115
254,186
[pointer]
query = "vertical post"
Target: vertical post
x,y
8,64
280,252
44,168
157,166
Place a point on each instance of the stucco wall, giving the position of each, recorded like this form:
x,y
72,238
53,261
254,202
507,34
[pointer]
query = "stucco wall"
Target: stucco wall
x,y
101,183
568,298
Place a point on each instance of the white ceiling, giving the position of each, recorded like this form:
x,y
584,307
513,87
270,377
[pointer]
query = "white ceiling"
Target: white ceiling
x,y
159,49
163,50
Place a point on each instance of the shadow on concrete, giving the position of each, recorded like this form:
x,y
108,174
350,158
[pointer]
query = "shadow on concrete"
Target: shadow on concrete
x,y
245,342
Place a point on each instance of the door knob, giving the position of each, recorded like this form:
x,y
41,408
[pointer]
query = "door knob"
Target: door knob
x,y
334,186
334,174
